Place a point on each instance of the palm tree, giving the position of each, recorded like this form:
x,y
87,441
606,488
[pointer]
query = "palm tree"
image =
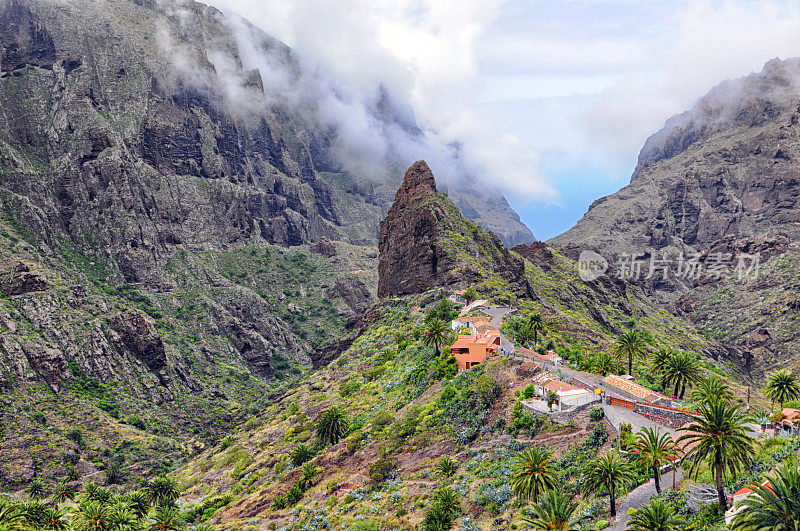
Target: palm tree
x,y
446,466
11,518
533,473
602,364
301,454
161,491
719,438
62,492
54,519
310,474
535,324
629,345
435,334
659,361
655,449
710,389
610,472
782,386
447,500
523,335
773,507
92,516
332,426
656,516
166,519
683,369
36,490
553,513
138,502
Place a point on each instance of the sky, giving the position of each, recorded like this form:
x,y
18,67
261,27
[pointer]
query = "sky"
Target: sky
x,y
553,99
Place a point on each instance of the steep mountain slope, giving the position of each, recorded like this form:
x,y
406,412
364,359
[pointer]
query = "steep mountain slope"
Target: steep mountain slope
x,y
407,409
724,178
179,237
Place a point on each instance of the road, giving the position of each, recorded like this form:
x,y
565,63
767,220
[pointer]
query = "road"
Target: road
x,y
641,496
496,314
617,415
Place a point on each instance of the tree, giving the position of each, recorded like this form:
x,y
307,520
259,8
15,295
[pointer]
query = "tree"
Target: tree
x,y
166,519
92,516
711,388
36,490
656,516
683,369
533,473
552,396
301,454
446,466
553,513
11,518
443,511
720,439
523,335
609,472
470,295
161,491
332,426
310,474
602,364
53,519
629,345
782,386
435,334
773,507
535,324
62,492
659,361
655,449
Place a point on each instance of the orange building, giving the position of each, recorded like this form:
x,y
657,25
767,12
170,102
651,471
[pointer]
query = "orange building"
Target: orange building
x,y
471,350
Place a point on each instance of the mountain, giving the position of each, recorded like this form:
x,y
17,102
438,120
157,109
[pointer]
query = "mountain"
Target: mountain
x,y
723,177
425,243
406,407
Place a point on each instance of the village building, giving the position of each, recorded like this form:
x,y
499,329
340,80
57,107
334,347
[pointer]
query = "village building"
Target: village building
x,y
471,350
458,297
475,305
567,395
738,497
790,423
627,388
550,357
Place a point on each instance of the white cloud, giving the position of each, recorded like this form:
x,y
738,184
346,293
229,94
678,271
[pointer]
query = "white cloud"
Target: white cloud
x,y
426,53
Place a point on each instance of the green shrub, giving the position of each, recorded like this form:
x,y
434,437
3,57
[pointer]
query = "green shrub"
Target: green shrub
x,y
596,414
529,392
381,470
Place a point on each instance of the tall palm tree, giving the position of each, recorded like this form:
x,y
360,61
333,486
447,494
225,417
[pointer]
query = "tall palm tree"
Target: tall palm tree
x,y
332,426
629,345
711,388
655,449
435,334
554,512
720,439
782,386
683,369
92,516
776,507
161,491
659,361
310,473
535,323
610,472
656,516
54,519
533,473
603,364
524,335
166,519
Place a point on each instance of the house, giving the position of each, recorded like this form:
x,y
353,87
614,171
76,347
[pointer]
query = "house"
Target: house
x,y
567,394
474,305
550,357
458,297
629,389
790,423
738,497
471,350
476,324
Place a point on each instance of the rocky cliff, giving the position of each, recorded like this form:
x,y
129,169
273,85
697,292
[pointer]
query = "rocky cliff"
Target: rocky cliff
x,y
425,242
721,180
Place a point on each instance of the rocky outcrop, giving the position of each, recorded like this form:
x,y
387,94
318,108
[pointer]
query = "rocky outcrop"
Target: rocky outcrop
x,y
425,242
132,330
719,182
20,279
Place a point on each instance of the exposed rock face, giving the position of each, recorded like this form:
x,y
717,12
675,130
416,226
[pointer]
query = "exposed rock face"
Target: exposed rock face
x,y
20,279
723,177
133,331
425,242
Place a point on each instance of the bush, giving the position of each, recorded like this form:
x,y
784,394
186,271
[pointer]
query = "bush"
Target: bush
x,y
381,470
350,387
294,495
136,422
76,435
529,392
596,414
